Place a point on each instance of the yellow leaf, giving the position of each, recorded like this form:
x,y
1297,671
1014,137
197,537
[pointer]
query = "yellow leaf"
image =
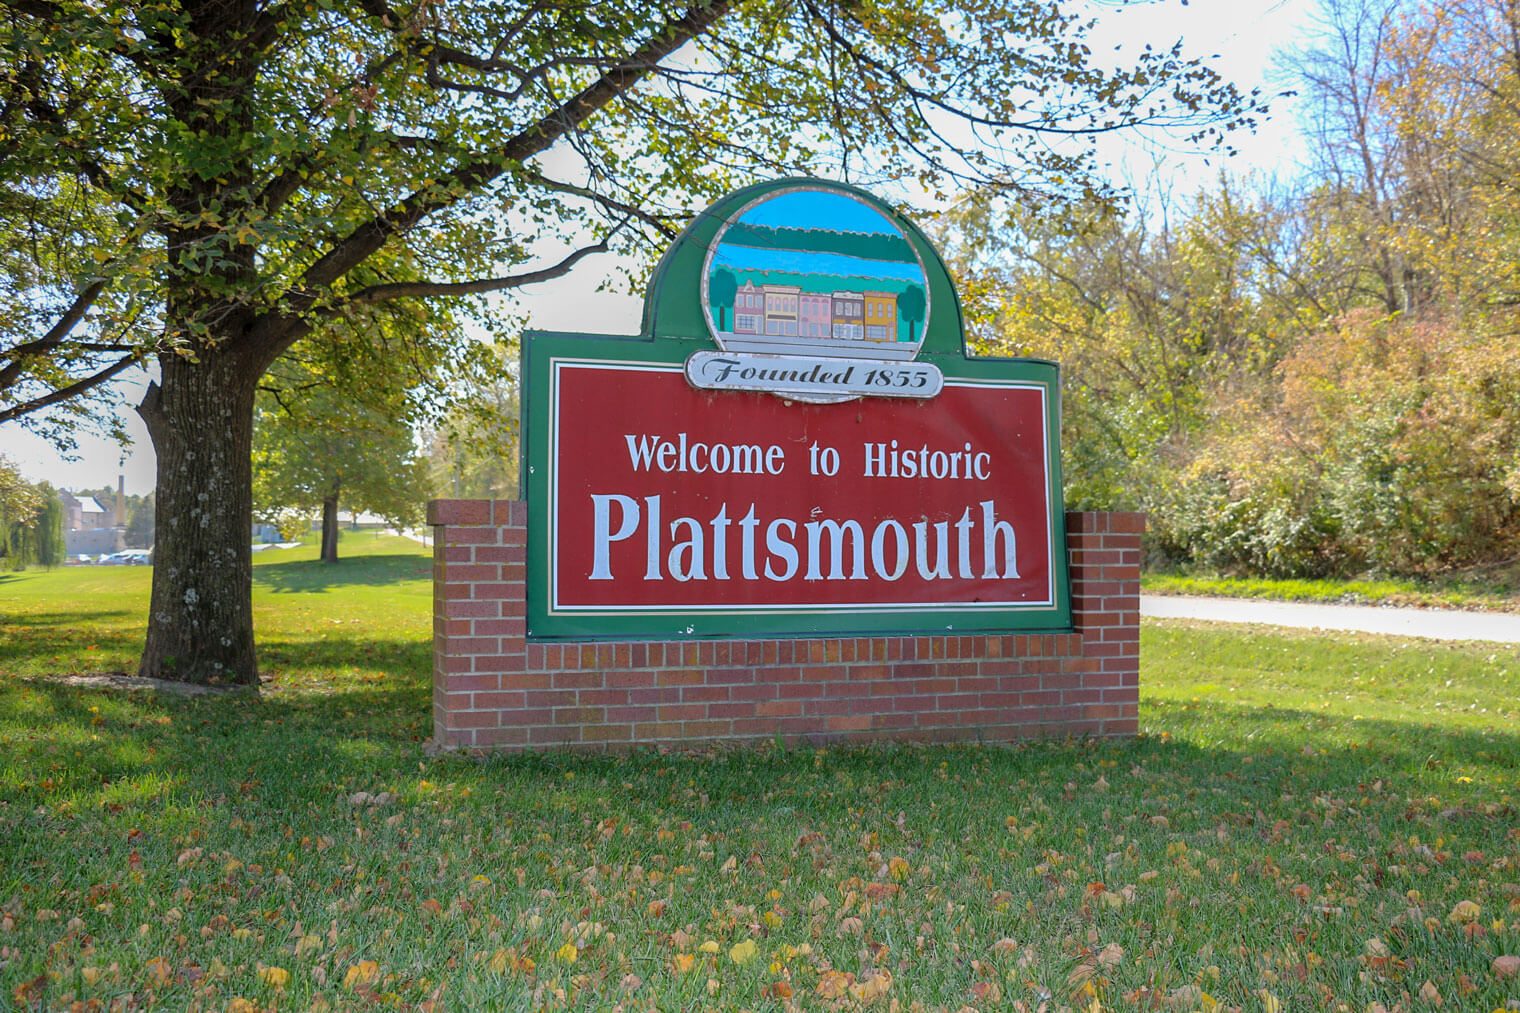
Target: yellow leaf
x,y
160,971
834,984
237,1004
567,954
361,973
683,962
743,953
1464,911
898,868
274,977
708,947
869,989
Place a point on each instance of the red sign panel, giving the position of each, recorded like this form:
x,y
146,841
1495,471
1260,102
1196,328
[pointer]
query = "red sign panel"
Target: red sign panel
x,y
668,499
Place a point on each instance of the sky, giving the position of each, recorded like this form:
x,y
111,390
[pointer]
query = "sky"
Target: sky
x,y
1244,34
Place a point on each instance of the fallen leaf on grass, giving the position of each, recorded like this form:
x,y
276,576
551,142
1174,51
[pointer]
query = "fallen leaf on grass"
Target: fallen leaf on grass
x,y
743,953
871,986
361,974
160,971
29,992
834,984
274,977
1506,966
1464,911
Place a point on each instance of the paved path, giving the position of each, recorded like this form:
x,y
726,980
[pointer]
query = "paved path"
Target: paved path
x,y
1438,624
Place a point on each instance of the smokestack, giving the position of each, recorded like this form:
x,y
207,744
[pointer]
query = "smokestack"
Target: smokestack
x,y
121,501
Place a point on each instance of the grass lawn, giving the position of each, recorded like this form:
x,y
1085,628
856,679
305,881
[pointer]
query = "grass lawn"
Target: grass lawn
x,y
1499,590
1307,823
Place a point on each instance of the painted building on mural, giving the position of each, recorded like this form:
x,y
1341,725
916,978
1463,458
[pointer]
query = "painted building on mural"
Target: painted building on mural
x,y
880,316
781,310
749,310
849,316
786,310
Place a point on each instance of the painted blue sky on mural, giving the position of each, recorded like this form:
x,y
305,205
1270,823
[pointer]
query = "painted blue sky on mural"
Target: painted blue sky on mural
x,y
804,208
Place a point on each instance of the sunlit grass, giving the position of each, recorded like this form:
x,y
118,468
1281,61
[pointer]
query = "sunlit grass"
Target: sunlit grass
x,y
1308,822
1499,591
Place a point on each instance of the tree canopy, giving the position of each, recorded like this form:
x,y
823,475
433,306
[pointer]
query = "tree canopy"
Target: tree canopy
x,y
200,184
1311,379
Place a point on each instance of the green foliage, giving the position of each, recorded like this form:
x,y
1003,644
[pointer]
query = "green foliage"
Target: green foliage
x,y
474,452
140,521
1309,383
48,530
1391,446
31,521
218,183
313,445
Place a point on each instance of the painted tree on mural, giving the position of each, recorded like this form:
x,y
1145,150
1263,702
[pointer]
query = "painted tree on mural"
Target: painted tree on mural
x,y
208,182
723,289
911,304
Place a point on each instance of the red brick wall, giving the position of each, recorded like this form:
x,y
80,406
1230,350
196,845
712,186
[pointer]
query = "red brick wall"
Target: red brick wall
x,y
494,690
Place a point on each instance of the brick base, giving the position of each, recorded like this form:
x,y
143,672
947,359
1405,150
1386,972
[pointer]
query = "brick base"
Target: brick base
x,y
492,689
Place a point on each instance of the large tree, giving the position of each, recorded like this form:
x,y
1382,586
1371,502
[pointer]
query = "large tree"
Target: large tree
x,y
214,180
316,447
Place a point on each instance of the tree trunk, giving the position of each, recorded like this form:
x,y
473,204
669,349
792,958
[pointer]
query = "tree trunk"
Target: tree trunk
x,y
330,528
200,623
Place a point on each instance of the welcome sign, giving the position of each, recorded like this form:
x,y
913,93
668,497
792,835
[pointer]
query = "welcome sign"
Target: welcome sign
x,y
798,444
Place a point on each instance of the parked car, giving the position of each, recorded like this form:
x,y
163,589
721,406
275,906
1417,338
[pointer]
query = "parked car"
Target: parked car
x,y
129,557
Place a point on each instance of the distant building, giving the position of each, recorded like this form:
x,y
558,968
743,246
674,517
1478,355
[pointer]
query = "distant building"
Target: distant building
x,y
849,316
94,541
880,316
84,514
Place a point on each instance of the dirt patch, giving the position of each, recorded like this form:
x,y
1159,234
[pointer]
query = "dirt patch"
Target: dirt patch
x,y
123,683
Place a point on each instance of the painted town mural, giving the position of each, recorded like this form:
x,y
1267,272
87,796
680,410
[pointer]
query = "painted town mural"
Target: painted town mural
x,y
774,281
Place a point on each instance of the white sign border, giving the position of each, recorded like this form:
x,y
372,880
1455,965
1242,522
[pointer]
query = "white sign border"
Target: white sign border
x,y
557,364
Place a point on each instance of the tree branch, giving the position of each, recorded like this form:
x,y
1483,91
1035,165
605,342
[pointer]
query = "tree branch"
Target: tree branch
x,y
275,332
64,393
53,337
423,289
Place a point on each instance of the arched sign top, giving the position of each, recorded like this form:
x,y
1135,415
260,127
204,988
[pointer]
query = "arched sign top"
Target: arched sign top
x,y
806,262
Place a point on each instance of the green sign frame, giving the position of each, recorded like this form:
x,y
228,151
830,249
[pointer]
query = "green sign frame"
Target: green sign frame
x,y
674,326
